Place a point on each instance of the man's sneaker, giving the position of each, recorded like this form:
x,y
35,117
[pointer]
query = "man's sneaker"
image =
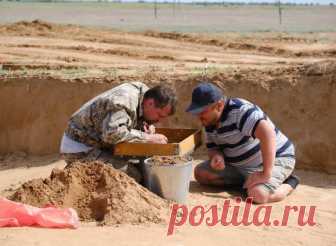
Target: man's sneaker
x,y
292,180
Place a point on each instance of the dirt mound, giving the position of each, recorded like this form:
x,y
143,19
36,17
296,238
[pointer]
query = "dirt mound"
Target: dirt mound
x,y
25,26
40,28
246,44
169,35
97,192
226,44
38,24
13,67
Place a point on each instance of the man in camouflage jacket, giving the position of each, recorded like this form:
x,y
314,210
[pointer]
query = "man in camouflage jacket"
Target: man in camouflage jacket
x,y
122,114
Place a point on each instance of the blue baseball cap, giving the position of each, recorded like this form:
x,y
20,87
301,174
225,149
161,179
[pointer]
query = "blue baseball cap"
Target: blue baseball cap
x,y
203,96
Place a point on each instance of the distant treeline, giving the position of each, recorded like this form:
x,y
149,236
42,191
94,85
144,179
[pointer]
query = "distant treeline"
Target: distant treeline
x,y
202,3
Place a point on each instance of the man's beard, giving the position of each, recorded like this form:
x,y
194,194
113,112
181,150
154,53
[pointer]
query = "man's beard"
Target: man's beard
x,y
151,122
209,123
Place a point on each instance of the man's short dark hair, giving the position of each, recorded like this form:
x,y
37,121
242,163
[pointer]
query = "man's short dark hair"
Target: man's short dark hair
x,y
163,96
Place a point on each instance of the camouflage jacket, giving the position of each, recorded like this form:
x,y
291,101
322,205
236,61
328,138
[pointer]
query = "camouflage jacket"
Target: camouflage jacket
x,y
111,117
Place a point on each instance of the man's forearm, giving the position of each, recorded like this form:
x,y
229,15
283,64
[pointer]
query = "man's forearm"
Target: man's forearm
x,y
265,133
122,134
267,147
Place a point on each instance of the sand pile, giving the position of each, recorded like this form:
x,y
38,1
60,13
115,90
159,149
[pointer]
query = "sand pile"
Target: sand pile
x,y
98,192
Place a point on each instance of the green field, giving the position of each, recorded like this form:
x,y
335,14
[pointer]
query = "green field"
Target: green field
x,y
179,18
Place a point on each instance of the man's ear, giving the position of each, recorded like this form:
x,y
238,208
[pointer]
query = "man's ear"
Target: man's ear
x,y
220,104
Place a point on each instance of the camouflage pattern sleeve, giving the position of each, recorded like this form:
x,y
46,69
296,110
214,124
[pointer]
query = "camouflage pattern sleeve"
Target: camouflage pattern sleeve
x,y
117,127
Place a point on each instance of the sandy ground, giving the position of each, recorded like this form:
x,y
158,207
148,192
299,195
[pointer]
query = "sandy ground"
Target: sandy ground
x,y
317,189
92,52
284,73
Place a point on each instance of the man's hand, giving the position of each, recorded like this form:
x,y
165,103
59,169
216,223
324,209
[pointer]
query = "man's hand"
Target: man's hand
x,y
156,138
150,129
217,162
256,178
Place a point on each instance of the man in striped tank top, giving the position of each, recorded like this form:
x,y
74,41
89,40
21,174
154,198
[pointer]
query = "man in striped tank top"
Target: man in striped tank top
x,y
244,146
